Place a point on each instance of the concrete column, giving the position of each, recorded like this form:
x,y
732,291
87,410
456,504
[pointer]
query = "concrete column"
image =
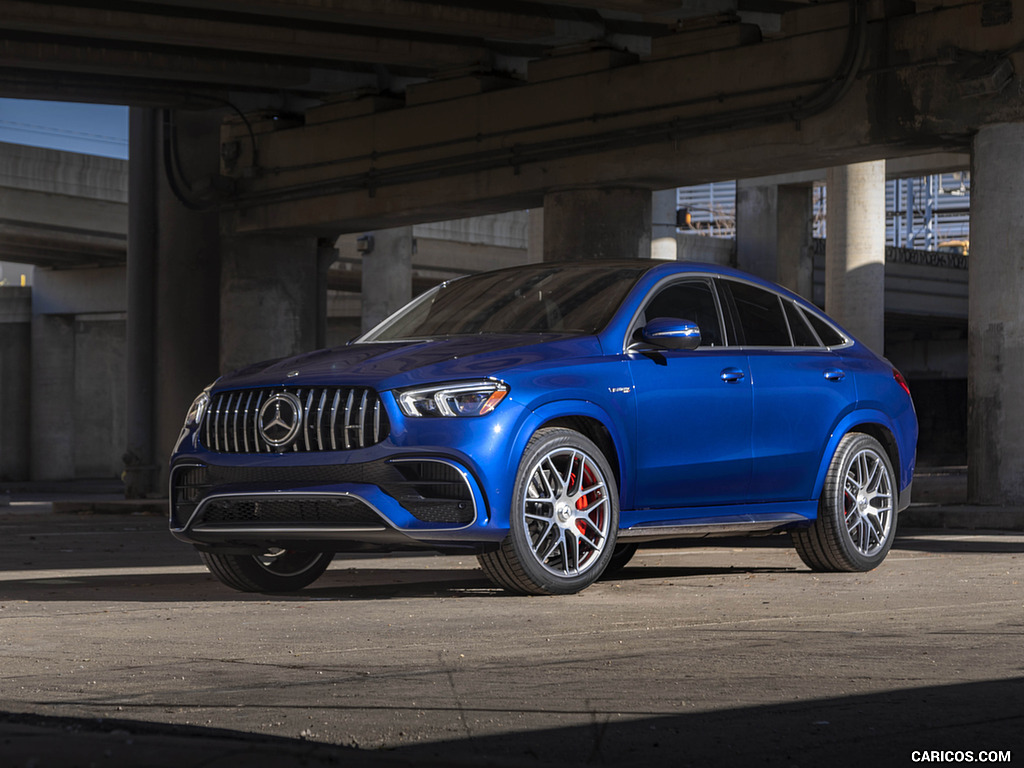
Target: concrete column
x,y
268,298
141,477
187,284
53,397
535,238
605,223
664,243
387,273
15,381
855,251
995,323
327,254
773,233
794,238
757,235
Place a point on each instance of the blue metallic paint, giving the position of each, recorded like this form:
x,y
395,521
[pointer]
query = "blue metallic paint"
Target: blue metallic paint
x,y
772,458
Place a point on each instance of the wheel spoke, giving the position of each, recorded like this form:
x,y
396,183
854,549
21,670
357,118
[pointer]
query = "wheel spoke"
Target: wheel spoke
x,y
868,502
566,511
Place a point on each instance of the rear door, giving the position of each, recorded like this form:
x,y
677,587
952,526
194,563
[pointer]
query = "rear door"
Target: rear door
x,y
801,389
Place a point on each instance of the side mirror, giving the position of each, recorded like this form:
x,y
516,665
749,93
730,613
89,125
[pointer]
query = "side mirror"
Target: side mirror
x,y
671,333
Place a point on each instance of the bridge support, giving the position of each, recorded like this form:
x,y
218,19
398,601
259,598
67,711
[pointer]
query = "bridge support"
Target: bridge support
x,y
188,286
602,223
855,251
268,304
995,323
773,233
387,273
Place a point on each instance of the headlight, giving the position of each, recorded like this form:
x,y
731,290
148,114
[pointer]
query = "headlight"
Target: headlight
x,y
198,408
470,398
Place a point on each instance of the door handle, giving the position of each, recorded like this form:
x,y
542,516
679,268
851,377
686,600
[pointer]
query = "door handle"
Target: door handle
x,y
732,374
834,374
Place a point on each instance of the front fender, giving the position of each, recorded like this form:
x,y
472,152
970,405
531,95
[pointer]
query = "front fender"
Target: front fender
x,y
534,419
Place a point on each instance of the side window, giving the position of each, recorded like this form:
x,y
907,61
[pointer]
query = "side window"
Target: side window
x,y
829,336
803,336
692,300
762,322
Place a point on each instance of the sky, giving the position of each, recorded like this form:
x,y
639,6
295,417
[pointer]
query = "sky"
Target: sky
x,y
92,129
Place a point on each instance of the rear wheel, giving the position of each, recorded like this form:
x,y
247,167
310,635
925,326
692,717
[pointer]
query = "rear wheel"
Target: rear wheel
x,y
277,570
563,521
857,511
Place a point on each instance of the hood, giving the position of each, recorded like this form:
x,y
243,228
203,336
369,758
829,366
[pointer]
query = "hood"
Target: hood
x,y
386,366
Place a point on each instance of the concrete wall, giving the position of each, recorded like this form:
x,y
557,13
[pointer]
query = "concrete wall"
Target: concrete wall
x,y
77,374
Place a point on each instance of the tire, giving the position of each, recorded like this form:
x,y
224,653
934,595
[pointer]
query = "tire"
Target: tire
x,y
857,511
620,558
563,520
279,570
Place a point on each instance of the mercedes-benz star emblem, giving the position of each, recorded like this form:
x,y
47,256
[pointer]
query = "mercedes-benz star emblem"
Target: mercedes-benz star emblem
x,y
280,419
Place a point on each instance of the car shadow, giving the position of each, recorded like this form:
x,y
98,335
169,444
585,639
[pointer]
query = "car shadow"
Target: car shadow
x,y
892,726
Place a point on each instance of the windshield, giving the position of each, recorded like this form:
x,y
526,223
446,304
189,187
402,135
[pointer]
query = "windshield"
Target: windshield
x,y
575,299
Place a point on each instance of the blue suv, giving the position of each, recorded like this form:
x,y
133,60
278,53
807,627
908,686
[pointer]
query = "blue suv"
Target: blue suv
x,y
548,418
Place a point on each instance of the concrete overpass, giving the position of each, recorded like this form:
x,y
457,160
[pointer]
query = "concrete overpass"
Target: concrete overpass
x,y
288,123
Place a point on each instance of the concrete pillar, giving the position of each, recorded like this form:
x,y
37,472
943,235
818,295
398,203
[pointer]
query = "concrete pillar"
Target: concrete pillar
x,y
664,245
53,397
855,251
535,238
773,233
757,218
187,284
268,298
605,223
795,232
141,477
995,415
15,381
387,273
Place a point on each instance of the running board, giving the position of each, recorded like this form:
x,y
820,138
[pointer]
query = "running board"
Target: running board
x,y
703,528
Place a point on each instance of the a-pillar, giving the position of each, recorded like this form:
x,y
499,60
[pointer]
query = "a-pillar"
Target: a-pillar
x,y
604,223
855,250
773,233
387,273
995,323
269,305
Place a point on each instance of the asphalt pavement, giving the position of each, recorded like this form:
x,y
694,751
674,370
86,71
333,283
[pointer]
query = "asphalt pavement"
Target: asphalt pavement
x,y
117,648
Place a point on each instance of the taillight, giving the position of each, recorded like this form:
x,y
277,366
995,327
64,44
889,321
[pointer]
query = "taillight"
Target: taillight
x,y
900,380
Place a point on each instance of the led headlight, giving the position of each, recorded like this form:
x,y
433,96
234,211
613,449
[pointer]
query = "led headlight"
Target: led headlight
x,y
467,398
198,408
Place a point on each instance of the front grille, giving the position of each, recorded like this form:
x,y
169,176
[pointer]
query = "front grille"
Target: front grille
x,y
329,419
337,510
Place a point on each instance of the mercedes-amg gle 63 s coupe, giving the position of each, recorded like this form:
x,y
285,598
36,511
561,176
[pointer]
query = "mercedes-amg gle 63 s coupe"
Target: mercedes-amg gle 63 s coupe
x,y
548,418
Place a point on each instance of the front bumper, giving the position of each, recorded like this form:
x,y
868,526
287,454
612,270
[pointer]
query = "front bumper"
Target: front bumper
x,y
397,502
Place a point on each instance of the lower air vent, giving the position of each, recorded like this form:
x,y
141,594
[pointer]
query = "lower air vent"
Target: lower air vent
x,y
302,511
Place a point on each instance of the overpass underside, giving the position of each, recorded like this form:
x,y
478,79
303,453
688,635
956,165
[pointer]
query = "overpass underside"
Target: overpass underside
x,y
295,126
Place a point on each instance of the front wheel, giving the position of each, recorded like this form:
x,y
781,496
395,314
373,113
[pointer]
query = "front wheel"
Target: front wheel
x,y
277,570
563,520
857,511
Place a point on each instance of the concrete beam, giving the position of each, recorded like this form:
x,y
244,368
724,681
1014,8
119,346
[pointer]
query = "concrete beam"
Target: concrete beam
x,y
650,124
244,33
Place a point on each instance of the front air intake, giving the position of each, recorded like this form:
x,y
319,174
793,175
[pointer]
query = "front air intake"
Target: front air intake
x,y
294,419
